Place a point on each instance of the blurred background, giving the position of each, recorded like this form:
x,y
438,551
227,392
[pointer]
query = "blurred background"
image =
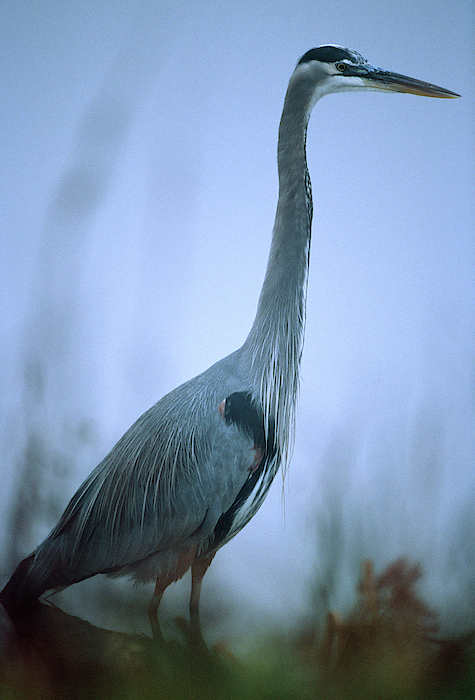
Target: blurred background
x,y
138,190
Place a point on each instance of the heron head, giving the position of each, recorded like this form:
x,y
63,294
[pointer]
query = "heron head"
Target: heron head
x,y
336,69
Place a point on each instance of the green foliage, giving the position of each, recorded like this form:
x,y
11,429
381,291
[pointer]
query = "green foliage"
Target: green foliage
x,y
386,649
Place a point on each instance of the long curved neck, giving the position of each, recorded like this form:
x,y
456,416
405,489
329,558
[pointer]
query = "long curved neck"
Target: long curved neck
x,y
275,341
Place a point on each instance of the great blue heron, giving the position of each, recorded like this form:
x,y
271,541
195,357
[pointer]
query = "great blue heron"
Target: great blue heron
x,y
195,468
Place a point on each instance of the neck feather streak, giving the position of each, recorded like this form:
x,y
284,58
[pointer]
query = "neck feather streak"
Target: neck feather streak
x,y
274,344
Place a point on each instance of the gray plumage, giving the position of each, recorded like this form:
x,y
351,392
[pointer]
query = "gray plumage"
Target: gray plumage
x,y
181,482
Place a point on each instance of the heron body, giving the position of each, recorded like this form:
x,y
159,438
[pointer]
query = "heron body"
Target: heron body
x,y
186,477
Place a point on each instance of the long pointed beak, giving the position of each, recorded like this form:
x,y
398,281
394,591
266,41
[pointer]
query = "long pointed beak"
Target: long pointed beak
x,y
393,82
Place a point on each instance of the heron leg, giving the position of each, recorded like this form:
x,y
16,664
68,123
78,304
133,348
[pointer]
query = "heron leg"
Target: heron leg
x,y
198,570
152,611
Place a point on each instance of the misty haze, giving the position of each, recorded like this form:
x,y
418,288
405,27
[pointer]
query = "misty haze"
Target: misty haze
x,y
139,185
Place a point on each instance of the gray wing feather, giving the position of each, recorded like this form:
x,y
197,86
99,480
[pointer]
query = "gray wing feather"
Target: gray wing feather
x,y
171,475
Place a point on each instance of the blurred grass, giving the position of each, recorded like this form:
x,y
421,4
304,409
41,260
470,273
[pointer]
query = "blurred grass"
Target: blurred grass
x,y
387,649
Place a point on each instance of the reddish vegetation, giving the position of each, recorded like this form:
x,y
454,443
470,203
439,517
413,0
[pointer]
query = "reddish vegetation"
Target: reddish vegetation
x,y
390,640
386,649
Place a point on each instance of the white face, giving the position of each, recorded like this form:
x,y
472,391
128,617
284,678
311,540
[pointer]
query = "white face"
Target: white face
x,y
338,81
330,77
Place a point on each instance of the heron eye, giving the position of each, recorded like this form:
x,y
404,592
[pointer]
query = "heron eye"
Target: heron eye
x,y
341,67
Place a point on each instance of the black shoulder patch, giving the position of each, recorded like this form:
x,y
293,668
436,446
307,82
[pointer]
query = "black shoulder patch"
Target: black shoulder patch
x,y
327,54
240,410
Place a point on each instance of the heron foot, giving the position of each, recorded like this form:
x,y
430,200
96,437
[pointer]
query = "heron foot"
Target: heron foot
x,y
152,613
192,634
157,635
